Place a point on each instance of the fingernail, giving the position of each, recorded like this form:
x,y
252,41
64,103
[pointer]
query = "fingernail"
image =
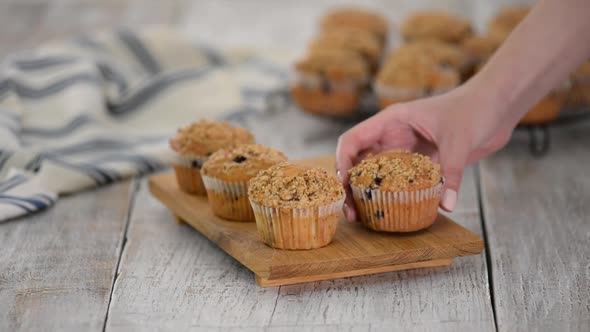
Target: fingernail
x,y
339,175
348,213
449,200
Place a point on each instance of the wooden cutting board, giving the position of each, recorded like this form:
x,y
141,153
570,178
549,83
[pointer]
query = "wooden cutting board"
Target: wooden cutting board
x,y
354,251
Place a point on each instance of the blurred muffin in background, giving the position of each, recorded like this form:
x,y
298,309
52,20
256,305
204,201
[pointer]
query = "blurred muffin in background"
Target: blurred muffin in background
x,y
548,109
357,18
443,54
330,81
506,20
357,40
580,89
437,25
406,77
478,49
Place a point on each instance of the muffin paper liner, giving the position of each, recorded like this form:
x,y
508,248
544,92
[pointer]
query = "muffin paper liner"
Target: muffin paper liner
x,y
228,200
297,228
398,93
189,161
188,176
403,211
317,82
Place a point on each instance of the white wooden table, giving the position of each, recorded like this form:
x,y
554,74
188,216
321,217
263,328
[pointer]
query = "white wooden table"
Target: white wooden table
x,y
113,259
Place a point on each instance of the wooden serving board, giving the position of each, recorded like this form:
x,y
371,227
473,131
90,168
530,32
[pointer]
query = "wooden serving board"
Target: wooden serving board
x,y
354,251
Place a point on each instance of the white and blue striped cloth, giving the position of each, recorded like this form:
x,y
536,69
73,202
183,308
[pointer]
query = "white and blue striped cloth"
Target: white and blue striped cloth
x,y
97,109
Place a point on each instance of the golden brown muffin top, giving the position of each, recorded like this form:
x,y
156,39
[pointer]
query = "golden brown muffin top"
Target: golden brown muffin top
x,y
335,64
294,186
582,74
508,18
438,25
396,171
204,137
444,54
416,72
480,48
366,44
356,18
242,162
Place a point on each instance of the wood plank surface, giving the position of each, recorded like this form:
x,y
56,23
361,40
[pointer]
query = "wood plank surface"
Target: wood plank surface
x,y
537,216
57,267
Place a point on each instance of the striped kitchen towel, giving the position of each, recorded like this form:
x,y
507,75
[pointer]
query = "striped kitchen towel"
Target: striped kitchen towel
x,y
100,108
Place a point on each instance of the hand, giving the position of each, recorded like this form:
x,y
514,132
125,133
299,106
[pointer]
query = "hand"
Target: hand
x,y
454,129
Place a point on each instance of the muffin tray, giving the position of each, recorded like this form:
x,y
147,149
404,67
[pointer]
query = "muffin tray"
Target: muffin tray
x,y
354,251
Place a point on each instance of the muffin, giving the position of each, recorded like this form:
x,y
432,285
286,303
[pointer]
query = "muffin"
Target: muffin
x,y
195,143
396,191
579,93
226,174
548,109
506,20
296,207
360,41
478,49
357,18
443,54
437,25
330,82
408,78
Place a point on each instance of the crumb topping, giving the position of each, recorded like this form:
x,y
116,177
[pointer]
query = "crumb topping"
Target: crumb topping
x,y
416,72
204,137
509,17
480,47
431,24
294,186
243,161
396,171
336,64
358,18
443,54
362,42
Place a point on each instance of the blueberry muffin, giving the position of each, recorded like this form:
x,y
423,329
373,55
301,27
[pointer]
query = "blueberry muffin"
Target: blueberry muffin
x,y
353,39
194,144
405,78
506,20
330,82
443,54
296,207
357,18
226,174
396,191
437,25
478,49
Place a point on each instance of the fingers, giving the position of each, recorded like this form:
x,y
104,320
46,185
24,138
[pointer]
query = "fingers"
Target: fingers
x,y
453,161
351,145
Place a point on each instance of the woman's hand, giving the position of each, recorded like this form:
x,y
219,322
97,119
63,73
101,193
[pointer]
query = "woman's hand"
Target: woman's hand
x,y
454,129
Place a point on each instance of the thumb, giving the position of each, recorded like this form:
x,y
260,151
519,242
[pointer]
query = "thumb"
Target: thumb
x,y
452,167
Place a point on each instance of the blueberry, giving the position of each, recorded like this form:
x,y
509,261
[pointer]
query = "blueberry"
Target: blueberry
x,y
377,181
239,159
368,193
195,164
